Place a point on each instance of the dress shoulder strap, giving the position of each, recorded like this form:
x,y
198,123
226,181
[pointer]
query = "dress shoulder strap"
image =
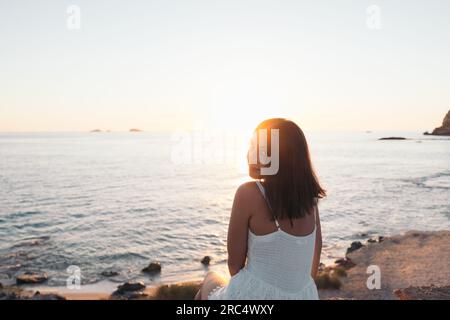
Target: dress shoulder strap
x,y
261,188
263,192
316,211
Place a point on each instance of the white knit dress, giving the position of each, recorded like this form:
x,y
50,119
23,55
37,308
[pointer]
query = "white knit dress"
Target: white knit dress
x,y
278,268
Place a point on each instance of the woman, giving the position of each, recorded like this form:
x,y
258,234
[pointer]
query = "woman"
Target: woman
x,y
274,235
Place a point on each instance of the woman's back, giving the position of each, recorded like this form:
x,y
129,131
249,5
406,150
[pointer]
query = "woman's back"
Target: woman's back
x,y
280,258
262,222
278,263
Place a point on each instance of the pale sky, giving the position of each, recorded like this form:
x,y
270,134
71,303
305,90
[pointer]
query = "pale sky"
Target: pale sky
x,y
166,65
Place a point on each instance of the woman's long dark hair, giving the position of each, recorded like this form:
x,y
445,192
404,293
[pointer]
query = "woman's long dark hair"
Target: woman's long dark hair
x,y
294,190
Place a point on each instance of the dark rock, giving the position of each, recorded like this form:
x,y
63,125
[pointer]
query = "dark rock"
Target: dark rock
x,y
345,263
393,138
363,235
380,239
47,296
371,240
206,260
153,267
354,246
132,295
9,296
321,267
129,290
443,130
137,295
11,293
109,273
130,287
31,277
426,133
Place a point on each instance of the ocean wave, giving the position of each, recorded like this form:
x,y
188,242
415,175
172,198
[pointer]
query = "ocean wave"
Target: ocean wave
x,y
121,256
33,225
22,214
440,180
31,241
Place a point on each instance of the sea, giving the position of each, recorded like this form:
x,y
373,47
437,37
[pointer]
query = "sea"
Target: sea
x,y
116,201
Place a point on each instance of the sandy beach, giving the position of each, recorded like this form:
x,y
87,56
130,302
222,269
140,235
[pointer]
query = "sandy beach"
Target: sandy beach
x,y
413,260
412,266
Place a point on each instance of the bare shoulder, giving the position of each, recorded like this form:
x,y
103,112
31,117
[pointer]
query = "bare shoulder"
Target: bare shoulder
x,y
247,192
247,188
245,199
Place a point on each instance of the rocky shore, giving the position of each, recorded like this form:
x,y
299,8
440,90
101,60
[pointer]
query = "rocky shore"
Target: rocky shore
x,y
410,266
443,130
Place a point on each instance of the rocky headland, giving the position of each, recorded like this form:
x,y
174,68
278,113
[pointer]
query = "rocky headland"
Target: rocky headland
x,y
443,130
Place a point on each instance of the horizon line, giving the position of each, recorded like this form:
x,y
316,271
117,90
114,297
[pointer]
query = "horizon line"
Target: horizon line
x,y
201,129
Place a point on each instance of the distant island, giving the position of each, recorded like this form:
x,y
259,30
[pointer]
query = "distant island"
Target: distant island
x,y
393,138
100,130
443,130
